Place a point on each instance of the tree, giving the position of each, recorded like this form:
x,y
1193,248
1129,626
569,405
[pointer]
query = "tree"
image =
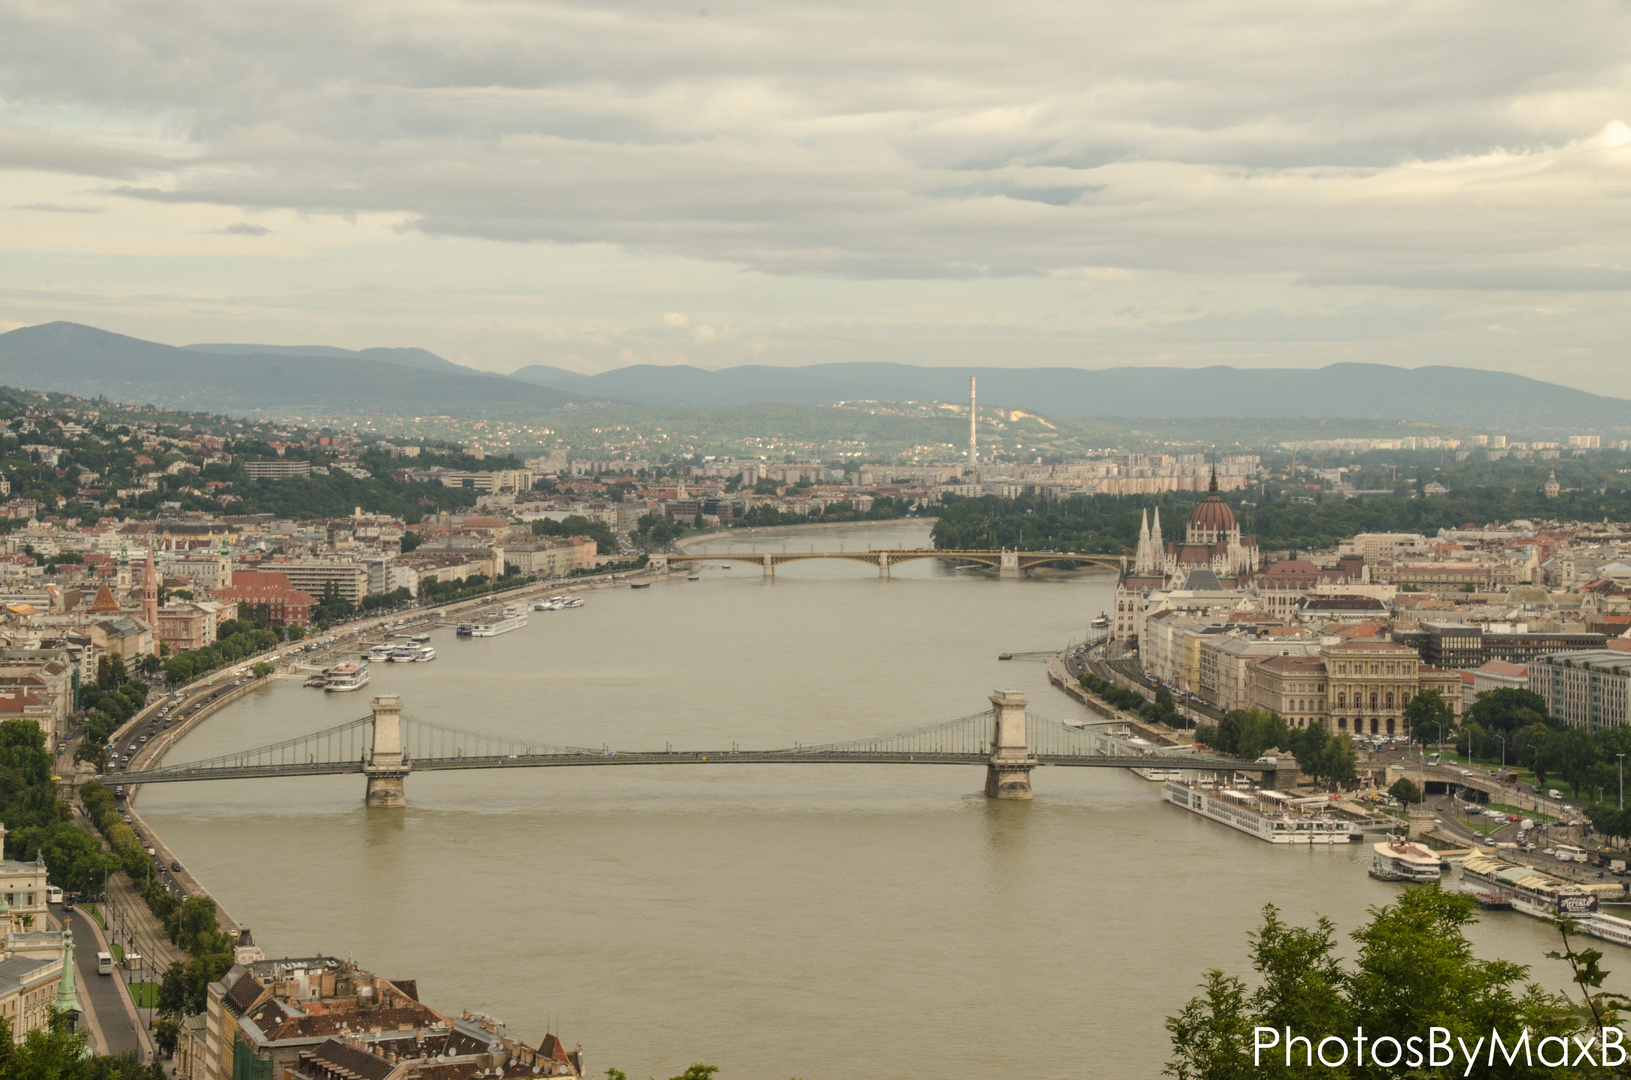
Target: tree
x,y
1429,717
1414,970
262,669
1406,791
410,541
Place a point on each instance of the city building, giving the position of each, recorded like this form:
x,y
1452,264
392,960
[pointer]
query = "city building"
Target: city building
x,y
1588,689
322,1018
278,469
288,605
349,578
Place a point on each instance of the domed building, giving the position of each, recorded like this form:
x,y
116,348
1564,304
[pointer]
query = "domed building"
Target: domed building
x,y
1213,542
1212,556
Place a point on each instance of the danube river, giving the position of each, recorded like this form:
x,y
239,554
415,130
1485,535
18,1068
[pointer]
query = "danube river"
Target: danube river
x,y
812,920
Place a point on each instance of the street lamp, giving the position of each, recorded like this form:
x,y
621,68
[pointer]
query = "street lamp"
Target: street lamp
x,y
1622,780
1503,750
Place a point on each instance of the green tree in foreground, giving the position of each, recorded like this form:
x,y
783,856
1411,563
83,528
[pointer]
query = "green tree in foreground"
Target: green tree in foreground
x,y
60,1054
1413,970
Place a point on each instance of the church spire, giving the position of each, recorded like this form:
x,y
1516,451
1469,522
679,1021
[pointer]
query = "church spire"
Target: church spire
x,y
67,999
1212,488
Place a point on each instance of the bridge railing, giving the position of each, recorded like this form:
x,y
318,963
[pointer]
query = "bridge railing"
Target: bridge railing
x,y
350,741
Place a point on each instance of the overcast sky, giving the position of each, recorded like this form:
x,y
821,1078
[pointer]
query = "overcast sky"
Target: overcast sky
x,y
1086,183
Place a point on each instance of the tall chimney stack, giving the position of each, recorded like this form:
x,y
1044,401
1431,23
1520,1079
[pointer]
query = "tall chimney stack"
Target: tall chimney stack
x,y
973,452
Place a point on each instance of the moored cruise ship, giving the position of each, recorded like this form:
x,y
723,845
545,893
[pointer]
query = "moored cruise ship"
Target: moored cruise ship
x,y
1395,860
1530,891
1268,815
511,618
1608,927
345,677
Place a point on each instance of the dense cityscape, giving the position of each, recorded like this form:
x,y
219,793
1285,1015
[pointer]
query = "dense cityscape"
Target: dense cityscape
x,y
846,540
1267,607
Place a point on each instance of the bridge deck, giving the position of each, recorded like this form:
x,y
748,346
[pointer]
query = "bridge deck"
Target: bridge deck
x,y
719,757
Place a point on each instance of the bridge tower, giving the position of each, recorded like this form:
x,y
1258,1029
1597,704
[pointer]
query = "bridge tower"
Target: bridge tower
x,y
1008,771
1008,566
386,767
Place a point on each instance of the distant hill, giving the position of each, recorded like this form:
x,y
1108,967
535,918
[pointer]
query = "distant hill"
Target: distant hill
x,y
83,360
1443,395
269,380
414,358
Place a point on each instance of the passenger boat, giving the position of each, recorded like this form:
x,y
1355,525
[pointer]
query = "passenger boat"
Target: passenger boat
x,y
380,653
1528,890
1395,860
646,584
1268,815
421,638
346,677
316,682
412,654
1608,927
509,619
1102,622
554,603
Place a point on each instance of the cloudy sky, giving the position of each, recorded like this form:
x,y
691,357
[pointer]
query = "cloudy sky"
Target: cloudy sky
x,y
1089,183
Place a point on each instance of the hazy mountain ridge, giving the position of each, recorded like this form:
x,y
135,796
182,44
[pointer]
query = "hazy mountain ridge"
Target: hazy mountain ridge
x,y
83,360
414,358
250,379
1443,395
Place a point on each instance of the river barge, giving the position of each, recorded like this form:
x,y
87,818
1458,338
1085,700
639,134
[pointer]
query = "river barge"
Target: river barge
x,y
1530,891
342,678
1268,815
1395,860
510,619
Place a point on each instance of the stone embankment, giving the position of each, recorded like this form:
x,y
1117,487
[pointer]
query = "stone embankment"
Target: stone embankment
x,y
1059,674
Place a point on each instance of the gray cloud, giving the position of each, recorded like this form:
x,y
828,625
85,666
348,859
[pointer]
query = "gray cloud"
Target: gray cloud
x,y
1274,164
865,140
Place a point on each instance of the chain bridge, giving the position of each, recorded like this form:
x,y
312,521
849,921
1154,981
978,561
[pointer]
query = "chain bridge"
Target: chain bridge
x,y
386,746
1008,564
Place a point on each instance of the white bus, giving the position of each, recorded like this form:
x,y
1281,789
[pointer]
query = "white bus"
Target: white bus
x,y
1569,853
104,963
53,895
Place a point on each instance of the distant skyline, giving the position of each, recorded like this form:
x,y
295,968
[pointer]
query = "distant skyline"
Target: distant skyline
x,y
1259,184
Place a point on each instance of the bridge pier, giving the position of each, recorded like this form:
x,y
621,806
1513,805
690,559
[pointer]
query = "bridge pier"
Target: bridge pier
x,y
883,565
1008,770
1008,566
770,568
386,768
657,564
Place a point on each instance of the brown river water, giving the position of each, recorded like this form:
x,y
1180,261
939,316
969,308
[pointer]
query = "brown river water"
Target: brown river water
x,y
817,921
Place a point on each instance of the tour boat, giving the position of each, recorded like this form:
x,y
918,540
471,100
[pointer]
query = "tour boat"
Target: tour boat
x,y
346,677
421,638
1102,622
1528,890
380,653
1608,927
1394,860
1268,815
512,618
412,654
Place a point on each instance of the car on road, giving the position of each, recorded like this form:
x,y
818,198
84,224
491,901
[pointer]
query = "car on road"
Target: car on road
x,y
175,865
